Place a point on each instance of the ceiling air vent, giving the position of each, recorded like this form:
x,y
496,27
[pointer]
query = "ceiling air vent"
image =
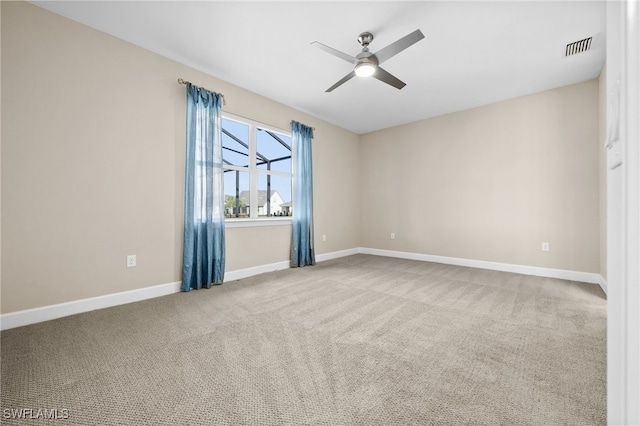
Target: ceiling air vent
x,y
578,46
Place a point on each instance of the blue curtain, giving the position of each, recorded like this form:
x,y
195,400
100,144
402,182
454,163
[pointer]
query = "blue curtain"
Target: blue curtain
x,y
302,251
203,249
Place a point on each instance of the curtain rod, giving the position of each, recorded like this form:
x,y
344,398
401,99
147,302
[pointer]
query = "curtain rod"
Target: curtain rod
x,y
224,102
312,128
181,81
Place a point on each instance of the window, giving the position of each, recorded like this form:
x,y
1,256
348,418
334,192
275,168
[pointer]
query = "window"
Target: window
x,y
257,169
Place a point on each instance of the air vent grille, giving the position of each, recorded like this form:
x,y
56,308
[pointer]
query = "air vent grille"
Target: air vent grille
x,y
578,46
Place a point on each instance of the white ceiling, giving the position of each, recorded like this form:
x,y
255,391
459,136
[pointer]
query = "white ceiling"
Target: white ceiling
x,y
474,53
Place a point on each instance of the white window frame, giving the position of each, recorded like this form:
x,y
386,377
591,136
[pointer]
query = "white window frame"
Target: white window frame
x,y
253,219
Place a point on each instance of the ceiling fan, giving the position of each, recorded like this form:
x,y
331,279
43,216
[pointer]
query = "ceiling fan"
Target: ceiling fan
x,y
367,63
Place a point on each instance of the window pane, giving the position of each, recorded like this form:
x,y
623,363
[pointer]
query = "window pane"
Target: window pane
x,y
236,193
279,197
273,151
235,143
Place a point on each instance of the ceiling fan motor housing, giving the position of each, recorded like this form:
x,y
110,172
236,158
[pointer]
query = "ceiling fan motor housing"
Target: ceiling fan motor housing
x,y
367,57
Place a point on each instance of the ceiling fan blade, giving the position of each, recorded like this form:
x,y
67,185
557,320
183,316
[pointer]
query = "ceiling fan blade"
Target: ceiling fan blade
x,y
383,75
342,81
398,46
335,52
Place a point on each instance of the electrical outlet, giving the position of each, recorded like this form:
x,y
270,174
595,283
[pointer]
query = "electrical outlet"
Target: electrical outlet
x,y
393,235
324,237
545,246
131,261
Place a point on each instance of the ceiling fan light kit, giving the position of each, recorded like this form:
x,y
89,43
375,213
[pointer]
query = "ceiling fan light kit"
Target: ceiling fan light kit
x,y
365,69
367,64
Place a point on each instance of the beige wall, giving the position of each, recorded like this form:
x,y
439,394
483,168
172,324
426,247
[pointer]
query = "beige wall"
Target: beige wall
x,y
93,163
602,168
490,183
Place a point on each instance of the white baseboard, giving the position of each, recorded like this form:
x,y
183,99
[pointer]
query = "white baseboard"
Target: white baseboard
x,y
336,254
255,270
586,277
603,283
46,313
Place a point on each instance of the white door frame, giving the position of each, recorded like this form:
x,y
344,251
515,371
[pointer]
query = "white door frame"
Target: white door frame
x,y
623,212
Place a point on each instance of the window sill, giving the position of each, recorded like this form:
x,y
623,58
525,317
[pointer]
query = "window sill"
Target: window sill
x,y
247,223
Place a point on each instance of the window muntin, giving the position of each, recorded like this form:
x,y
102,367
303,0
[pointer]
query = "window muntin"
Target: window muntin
x,y
259,188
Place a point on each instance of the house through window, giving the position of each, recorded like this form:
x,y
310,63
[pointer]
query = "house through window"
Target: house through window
x,y
257,169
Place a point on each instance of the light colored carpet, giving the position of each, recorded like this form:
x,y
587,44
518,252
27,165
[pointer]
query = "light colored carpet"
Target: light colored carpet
x,y
361,340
